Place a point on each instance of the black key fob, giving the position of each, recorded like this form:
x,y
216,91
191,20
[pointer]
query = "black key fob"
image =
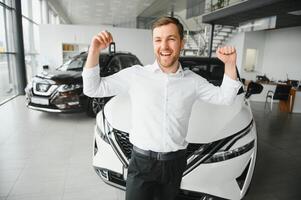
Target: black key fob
x,y
112,48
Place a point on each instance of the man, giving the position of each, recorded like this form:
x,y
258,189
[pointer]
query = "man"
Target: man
x,y
162,95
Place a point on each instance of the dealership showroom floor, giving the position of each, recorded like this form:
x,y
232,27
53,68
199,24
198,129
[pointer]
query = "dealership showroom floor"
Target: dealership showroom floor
x,y
48,156
52,147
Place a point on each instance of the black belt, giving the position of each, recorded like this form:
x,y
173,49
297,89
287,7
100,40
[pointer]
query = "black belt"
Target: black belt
x,y
160,155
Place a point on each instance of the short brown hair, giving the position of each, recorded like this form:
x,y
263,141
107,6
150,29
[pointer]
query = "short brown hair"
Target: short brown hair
x,y
169,20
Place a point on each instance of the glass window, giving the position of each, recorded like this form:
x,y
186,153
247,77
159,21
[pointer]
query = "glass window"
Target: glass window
x,y
217,74
7,60
31,46
3,47
32,10
103,60
25,4
7,2
30,36
36,14
4,78
128,61
212,70
75,64
36,39
51,17
114,65
31,63
26,41
7,30
7,76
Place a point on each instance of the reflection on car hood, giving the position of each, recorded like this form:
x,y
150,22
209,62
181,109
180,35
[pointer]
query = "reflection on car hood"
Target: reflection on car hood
x,y
207,123
62,77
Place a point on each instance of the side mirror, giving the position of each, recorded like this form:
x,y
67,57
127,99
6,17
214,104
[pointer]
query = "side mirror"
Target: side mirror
x,y
253,88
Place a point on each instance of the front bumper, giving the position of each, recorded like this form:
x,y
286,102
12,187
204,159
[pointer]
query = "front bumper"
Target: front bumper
x,y
228,179
54,110
116,180
75,101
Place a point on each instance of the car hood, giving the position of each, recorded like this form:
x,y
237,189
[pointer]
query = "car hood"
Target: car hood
x,y
208,122
61,77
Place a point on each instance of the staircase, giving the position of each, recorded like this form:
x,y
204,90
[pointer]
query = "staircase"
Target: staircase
x,y
221,35
197,42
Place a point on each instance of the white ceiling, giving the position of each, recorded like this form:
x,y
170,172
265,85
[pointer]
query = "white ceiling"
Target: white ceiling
x,y
114,12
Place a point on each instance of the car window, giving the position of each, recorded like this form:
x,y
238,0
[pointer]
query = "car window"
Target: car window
x,y
114,65
197,67
216,74
74,64
208,69
103,60
128,61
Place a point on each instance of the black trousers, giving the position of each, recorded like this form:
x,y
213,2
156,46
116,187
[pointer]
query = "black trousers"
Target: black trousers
x,y
151,179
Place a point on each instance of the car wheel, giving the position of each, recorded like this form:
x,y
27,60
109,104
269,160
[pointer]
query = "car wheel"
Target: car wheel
x,y
94,106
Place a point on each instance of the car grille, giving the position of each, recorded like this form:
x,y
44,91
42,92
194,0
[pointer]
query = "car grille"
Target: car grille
x,y
123,141
126,146
116,178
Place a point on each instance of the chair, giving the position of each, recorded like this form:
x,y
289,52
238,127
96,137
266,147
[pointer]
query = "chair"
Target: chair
x,y
282,92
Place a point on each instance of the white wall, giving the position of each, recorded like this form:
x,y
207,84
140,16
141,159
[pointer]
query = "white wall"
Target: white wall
x,y
238,41
279,53
254,40
283,53
136,41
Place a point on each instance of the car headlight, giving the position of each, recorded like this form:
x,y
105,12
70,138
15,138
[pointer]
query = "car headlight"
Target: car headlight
x,y
28,87
70,87
220,150
102,135
102,129
225,155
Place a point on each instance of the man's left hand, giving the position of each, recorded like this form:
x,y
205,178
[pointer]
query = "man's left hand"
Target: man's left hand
x,y
228,55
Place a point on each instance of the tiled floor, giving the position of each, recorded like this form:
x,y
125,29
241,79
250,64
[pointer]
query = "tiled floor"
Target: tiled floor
x,y
277,173
47,156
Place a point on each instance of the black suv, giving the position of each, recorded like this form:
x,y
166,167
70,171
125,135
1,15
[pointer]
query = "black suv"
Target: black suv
x,y
61,90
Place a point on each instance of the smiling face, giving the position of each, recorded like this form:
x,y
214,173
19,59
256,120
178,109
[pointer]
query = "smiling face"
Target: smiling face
x,y
167,46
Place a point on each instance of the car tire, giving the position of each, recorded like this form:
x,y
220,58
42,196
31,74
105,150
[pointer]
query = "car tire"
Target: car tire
x,y
94,105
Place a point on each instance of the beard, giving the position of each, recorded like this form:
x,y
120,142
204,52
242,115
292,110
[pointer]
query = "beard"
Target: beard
x,y
167,62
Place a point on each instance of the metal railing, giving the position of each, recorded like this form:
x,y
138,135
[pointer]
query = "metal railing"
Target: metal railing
x,y
214,5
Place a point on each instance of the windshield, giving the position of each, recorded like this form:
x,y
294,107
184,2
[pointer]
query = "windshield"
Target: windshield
x,y
74,64
211,70
128,61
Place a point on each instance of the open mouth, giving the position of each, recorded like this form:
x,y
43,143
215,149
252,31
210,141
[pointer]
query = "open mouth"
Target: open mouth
x,y
165,54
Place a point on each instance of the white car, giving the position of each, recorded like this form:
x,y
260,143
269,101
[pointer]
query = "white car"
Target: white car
x,y
222,140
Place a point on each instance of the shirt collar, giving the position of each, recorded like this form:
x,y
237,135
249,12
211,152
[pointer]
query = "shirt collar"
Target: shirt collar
x,y
156,68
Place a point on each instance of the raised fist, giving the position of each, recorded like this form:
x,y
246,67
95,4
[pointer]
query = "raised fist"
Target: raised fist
x,y
227,54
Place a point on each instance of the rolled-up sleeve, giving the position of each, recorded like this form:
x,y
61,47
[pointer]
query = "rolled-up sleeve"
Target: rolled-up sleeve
x,y
96,86
223,95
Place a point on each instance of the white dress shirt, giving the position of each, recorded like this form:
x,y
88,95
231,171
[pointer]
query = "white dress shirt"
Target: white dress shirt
x,y
161,102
